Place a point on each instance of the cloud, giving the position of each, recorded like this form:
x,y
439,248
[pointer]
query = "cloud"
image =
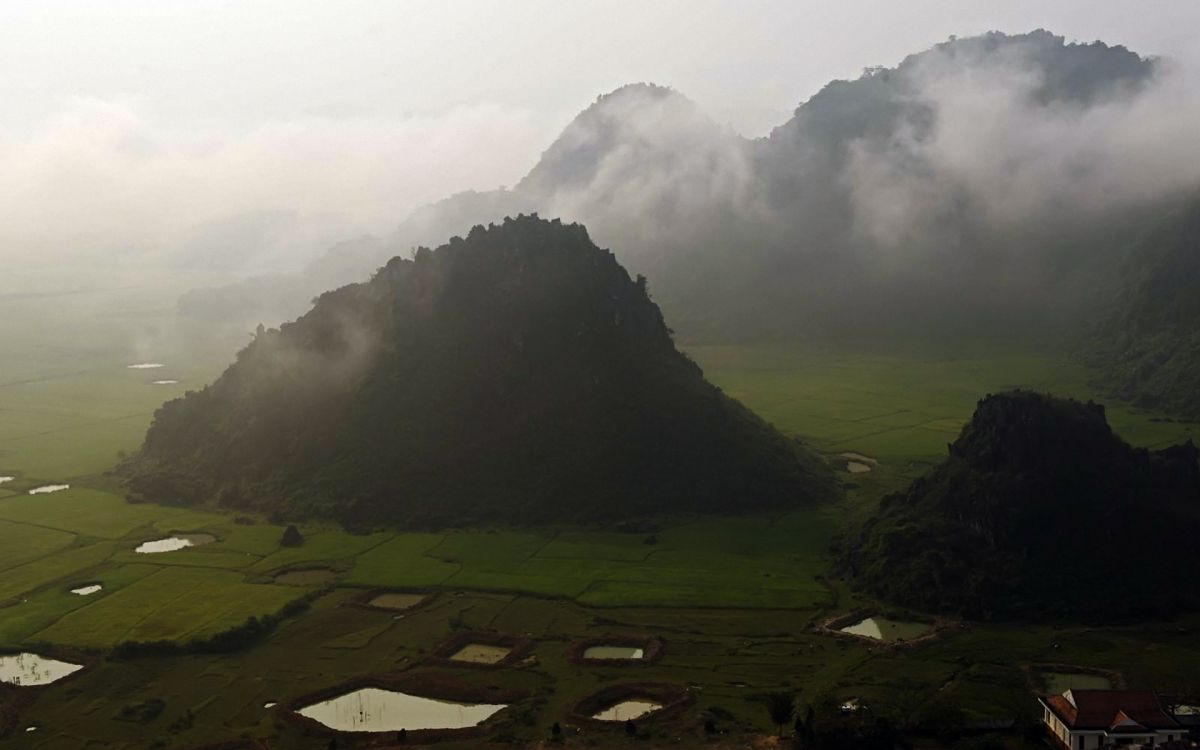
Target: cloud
x,y
980,140
100,177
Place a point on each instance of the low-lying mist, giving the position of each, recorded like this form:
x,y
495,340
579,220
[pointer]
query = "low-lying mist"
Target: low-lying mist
x,y
105,179
996,178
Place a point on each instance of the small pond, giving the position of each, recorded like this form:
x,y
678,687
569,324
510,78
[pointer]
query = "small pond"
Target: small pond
x,y
48,488
270,704
883,629
626,710
307,577
396,601
1060,682
28,669
481,653
857,463
614,652
378,710
88,590
6,479
173,543
165,382
144,366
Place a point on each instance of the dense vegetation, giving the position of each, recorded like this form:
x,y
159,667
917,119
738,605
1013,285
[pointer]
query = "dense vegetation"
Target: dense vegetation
x,y
1039,511
1148,348
518,374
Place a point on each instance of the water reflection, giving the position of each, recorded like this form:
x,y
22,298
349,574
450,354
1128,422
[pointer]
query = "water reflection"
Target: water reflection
x,y
613,652
377,710
626,710
26,669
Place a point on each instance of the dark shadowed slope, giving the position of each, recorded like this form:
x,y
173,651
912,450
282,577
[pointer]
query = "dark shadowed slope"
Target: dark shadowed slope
x,y
1039,511
1148,348
516,375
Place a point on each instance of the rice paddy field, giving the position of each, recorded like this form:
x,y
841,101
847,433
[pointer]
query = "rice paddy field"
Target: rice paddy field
x,y
737,603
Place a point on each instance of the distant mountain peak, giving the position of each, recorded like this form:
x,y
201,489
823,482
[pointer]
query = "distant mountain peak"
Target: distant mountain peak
x,y
640,118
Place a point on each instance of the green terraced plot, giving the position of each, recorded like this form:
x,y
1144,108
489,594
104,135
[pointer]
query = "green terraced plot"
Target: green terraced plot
x,y
325,546
21,542
171,604
69,562
83,511
402,561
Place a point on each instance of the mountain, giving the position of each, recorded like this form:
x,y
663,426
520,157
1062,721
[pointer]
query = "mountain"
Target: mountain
x,y
643,163
1148,346
516,375
1039,511
955,192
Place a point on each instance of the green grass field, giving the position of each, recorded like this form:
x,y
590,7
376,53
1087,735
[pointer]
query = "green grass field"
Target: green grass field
x,y
735,599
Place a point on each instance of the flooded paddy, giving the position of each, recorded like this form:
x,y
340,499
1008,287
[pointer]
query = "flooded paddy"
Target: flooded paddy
x,y
173,543
396,601
1060,682
144,366
614,652
857,463
87,590
306,577
378,710
48,488
164,382
27,669
626,710
6,479
481,653
883,629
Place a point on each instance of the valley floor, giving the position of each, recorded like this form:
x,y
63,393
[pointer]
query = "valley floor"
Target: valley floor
x,y
737,602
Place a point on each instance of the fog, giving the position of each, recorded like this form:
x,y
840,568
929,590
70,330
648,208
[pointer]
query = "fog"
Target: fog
x,y
102,177
249,137
997,149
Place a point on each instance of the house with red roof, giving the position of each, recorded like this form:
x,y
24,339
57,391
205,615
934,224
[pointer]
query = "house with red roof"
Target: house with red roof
x,y
1087,719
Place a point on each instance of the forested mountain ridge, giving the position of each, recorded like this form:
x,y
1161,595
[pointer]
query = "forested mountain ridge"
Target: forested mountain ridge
x,y
1148,346
1039,511
516,375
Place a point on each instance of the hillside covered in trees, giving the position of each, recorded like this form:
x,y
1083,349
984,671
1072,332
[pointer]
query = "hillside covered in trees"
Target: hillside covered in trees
x,y
1039,511
519,374
1148,347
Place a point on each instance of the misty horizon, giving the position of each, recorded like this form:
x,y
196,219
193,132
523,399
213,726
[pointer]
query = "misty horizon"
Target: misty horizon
x,y
111,162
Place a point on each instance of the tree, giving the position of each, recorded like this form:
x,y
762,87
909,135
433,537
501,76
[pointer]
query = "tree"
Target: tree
x,y
630,727
781,706
291,537
556,732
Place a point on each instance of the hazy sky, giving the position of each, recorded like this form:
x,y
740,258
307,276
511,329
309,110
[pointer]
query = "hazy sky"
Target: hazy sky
x,y
169,114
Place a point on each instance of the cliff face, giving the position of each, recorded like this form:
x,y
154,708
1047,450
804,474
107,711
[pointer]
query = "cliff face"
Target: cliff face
x,y
1039,511
516,375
